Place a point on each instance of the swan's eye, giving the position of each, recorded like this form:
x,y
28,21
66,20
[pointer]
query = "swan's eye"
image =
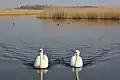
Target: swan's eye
x,y
75,52
40,50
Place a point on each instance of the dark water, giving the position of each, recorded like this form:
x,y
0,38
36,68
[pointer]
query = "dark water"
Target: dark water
x,y
20,42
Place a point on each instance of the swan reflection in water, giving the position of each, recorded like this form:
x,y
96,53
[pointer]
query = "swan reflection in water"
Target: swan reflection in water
x,y
76,70
41,73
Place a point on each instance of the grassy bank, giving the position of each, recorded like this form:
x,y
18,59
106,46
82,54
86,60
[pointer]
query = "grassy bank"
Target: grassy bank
x,y
14,12
81,13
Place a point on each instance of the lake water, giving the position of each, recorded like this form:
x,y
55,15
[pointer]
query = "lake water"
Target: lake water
x,y
19,45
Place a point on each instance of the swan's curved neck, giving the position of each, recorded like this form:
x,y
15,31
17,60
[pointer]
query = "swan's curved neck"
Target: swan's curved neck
x,y
41,53
76,60
41,56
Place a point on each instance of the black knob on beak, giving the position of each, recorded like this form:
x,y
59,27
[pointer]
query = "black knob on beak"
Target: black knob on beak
x,y
39,50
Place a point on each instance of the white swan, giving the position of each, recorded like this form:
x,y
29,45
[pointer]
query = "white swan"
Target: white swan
x,y
41,60
76,60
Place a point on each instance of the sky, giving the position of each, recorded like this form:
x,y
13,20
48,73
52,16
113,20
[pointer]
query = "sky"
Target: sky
x,y
15,3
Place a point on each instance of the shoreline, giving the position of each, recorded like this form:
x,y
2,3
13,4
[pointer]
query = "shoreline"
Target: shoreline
x,y
19,12
82,22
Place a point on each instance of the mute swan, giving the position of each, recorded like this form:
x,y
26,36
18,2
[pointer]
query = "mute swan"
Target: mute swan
x,y
76,60
41,61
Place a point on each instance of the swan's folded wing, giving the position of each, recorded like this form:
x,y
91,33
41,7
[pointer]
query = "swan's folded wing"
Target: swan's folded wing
x,y
46,58
37,61
72,61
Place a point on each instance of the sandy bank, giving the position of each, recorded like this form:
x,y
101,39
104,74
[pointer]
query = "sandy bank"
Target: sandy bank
x,y
14,12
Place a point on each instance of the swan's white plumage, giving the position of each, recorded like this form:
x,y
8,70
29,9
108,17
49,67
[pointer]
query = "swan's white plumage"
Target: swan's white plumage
x,y
41,60
76,60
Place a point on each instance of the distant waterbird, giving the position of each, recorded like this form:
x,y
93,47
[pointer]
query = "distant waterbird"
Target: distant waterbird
x,y
58,24
13,22
41,62
76,61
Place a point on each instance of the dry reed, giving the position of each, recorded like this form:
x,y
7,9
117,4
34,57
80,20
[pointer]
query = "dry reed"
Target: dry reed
x,y
81,13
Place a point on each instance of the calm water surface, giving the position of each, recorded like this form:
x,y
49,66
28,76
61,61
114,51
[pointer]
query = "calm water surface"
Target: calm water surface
x,y
19,45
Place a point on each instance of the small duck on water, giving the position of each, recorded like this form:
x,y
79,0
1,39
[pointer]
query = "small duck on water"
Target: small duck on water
x,y
76,60
13,22
41,62
58,24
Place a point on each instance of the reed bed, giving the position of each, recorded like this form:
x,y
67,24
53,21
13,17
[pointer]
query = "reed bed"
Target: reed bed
x,y
102,13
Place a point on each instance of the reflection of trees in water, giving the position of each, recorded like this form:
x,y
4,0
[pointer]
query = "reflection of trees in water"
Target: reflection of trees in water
x,y
110,16
58,20
81,21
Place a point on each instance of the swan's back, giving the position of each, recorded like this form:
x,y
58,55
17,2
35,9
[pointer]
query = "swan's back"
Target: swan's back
x,y
45,60
37,62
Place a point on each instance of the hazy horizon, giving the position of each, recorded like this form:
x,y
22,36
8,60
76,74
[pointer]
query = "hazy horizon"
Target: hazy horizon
x,y
15,3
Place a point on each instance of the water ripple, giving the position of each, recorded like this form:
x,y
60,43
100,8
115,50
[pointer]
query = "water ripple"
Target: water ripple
x,y
59,55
